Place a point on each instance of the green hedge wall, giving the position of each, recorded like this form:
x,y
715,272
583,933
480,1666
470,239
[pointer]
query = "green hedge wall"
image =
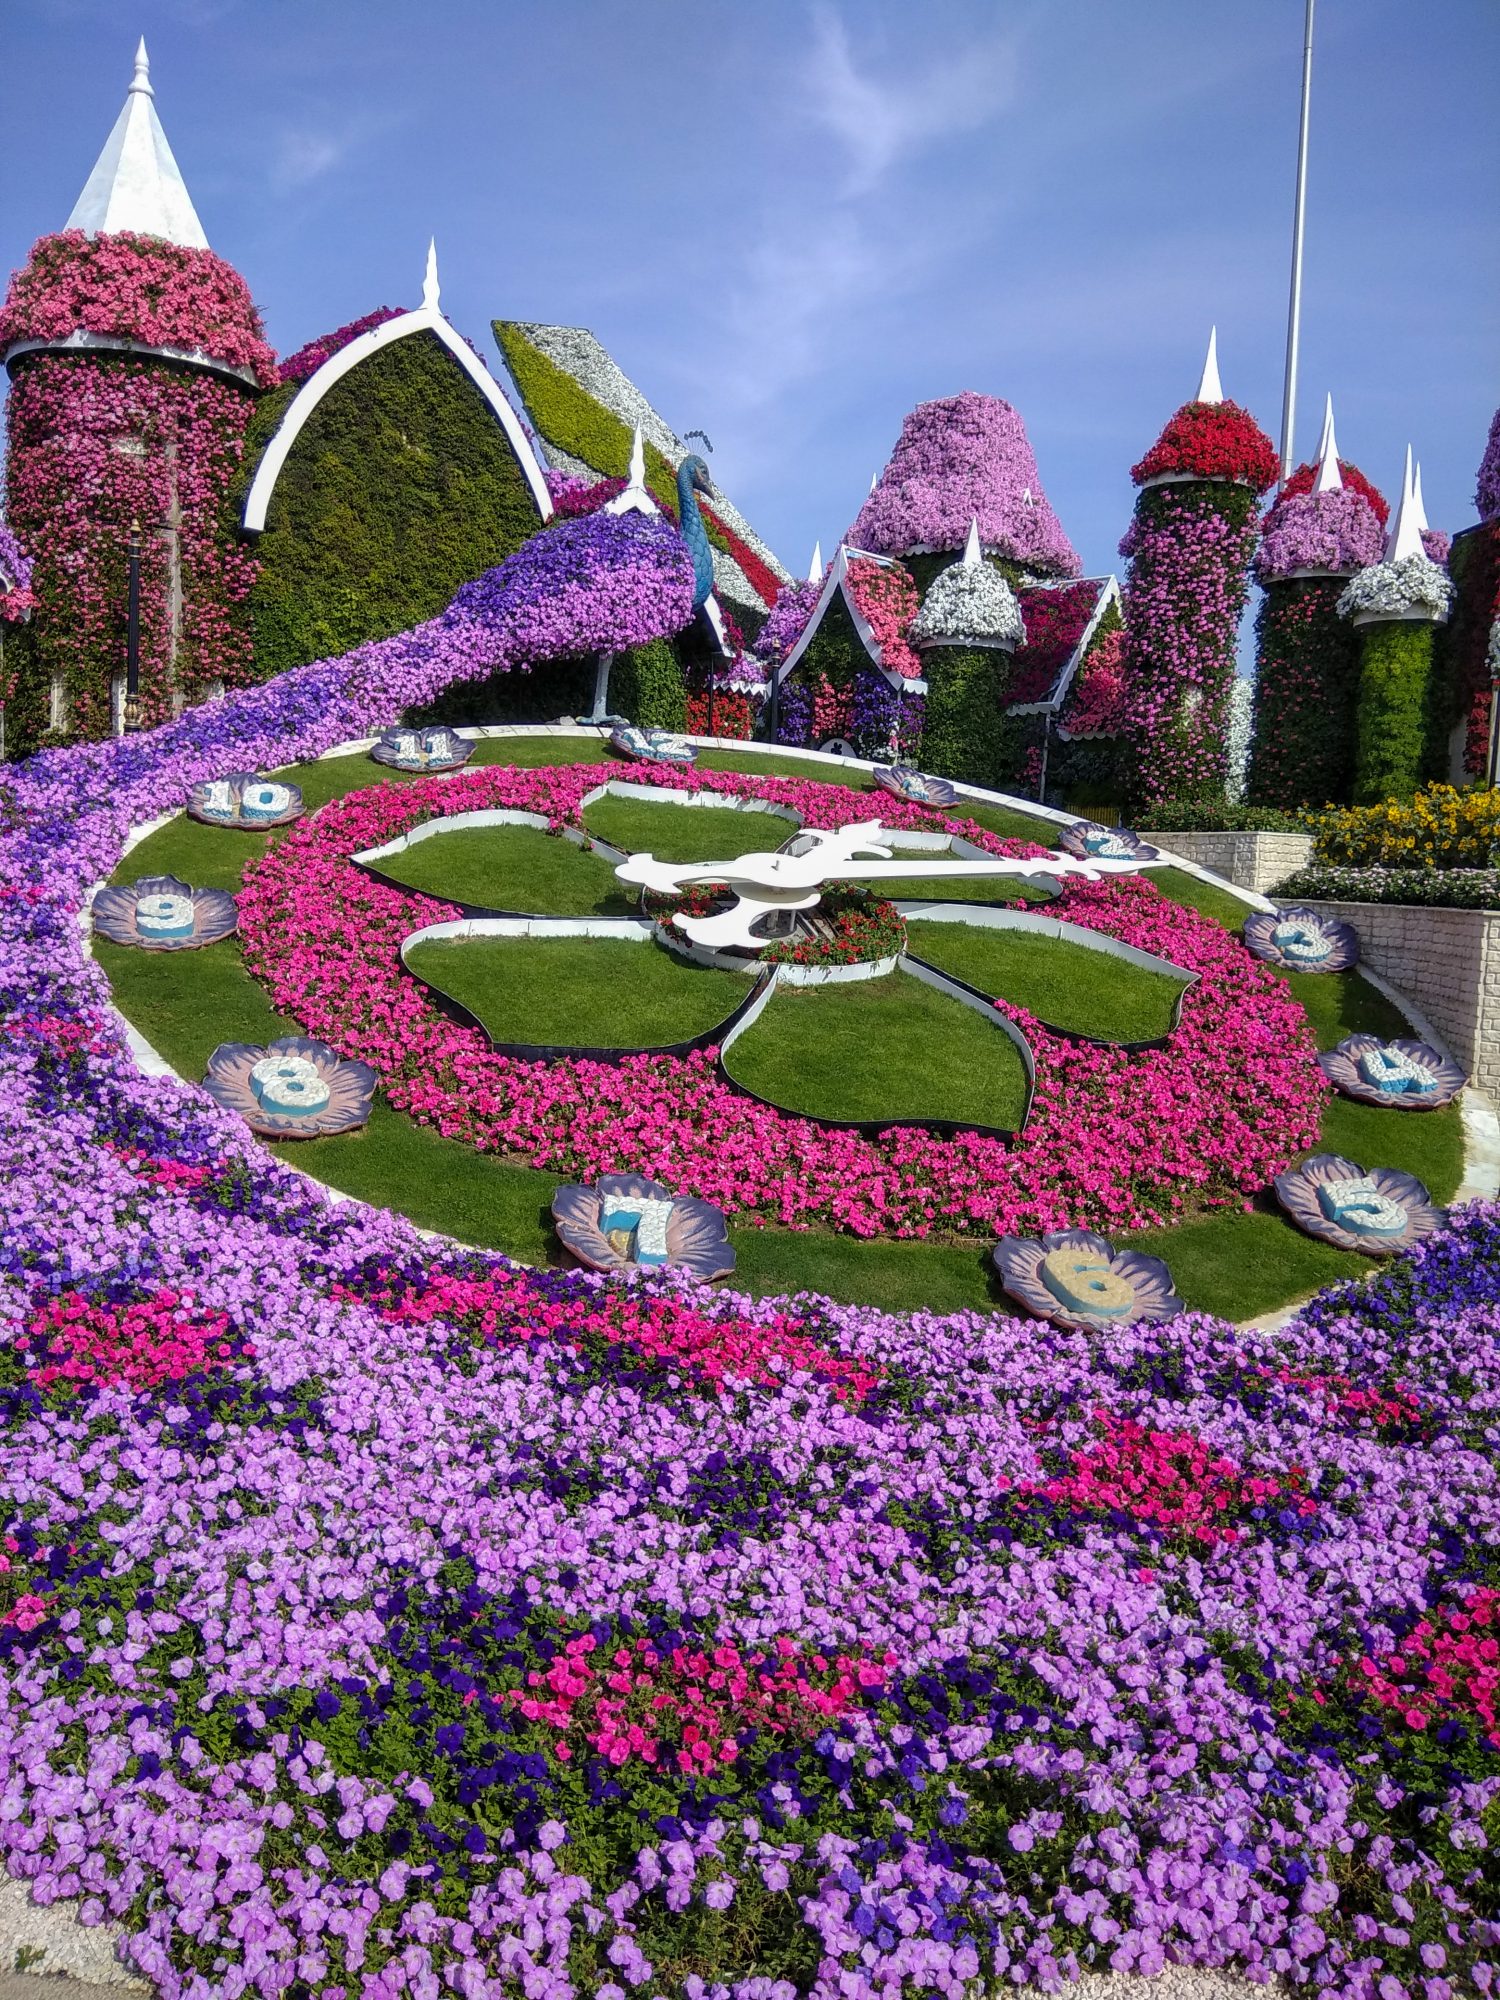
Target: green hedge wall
x,y
966,735
545,694
400,487
1306,681
647,685
1391,729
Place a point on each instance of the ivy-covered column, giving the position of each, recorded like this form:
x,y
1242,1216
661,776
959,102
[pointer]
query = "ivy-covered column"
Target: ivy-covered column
x,y
1326,523
1189,548
1395,606
967,629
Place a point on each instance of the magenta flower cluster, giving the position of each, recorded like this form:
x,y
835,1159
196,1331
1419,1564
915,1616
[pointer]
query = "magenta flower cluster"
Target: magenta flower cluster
x,y
309,359
1322,531
16,599
961,458
1487,488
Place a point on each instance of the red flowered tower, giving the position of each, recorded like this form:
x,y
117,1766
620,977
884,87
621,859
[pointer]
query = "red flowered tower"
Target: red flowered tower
x,y
1189,546
135,356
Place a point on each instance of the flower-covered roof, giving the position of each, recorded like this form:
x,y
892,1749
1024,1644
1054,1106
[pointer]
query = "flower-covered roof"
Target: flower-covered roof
x,y
1336,530
1211,441
969,604
1487,491
135,291
959,459
584,410
881,599
1061,620
1397,588
1353,481
309,359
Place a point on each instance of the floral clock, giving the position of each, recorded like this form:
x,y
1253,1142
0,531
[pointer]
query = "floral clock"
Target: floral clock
x,y
651,746
916,787
1376,1210
1075,1278
1412,1076
426,750
294,1088
245,800
1086,840
1301,940
625,1222
159,913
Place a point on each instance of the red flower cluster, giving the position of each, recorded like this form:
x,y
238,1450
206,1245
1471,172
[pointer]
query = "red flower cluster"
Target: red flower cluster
x,y
865,928
1301,481
733,715
1212,441
141,1345
308,360
1448,1665
633,1702
1056,619
1169,1480
137,288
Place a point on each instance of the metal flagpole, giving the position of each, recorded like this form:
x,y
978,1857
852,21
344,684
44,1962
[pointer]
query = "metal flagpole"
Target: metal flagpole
x,y
1294,307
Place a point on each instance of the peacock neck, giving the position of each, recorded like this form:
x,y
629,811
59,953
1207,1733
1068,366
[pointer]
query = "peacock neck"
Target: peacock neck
x,y
690,521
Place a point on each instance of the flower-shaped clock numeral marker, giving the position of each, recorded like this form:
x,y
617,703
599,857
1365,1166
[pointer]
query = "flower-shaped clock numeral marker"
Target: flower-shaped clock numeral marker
x,y
427,750
294,1088
159,913
245,800
1301,940
1086,840
1412,1076
916,787
1375,1210
1075,1278
651,746
625,1222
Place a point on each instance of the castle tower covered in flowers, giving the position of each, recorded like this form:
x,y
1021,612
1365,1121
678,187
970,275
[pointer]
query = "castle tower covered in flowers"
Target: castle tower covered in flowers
x,y
135,357
1189,547
1326,522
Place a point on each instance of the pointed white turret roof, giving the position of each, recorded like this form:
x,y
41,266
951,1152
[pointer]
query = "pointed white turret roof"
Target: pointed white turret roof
x,y
973,553
136,183
1416,497
815,567
1210,389
1329,479
431,293
1404,537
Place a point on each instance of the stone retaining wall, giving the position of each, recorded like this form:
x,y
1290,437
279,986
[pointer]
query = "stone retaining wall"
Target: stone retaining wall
x,y
1249,860
1447,962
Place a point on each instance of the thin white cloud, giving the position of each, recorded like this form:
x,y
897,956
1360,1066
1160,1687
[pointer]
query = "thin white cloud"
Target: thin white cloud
x,y
305,155
880,119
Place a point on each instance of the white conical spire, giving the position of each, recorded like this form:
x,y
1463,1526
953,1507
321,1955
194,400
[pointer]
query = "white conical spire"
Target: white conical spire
x,y
1416,497
815,567
136,183
1210,389
635,499
430,294
874,481
1329,479
638,459
1404,537
973,554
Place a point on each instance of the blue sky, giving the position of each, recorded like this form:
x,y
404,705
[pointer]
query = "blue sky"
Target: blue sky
x,y
791,222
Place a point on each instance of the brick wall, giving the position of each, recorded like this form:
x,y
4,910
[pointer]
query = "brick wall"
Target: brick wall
x,y
1250,860
1448,963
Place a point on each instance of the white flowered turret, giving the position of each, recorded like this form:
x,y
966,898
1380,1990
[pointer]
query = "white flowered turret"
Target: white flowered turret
x,y
136,183
970,604
1406,584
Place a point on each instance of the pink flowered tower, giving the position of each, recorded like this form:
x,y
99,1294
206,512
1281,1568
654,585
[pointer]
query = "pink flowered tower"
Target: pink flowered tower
x,y
135,356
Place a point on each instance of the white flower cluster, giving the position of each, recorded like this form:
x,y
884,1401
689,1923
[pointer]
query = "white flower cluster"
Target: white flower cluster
x,y
1241,728
1492,652
1416,583
969,605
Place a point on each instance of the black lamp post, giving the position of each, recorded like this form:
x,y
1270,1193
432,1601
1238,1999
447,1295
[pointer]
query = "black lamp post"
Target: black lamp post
x,y
132,717
773,707
1494,756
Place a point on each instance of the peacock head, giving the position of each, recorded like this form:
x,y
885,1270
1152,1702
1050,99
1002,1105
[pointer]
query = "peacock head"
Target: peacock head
x,y
695,472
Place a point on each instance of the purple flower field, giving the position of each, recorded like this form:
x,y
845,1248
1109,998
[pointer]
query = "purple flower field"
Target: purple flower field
x,y
377,1618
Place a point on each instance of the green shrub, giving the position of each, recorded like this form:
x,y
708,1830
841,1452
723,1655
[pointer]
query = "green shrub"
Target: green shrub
x,y
1392,711
966,734
1440,888
1214,816
400,487
1307,663
646,684
546,694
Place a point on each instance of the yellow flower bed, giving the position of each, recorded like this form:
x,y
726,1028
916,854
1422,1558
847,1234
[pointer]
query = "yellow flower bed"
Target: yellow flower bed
x,y
1439,828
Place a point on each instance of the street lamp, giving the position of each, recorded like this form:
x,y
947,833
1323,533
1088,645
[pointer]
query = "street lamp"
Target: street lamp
x,y
132,715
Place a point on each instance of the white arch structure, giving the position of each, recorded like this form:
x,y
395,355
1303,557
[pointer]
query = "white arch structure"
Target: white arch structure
x,y
428,318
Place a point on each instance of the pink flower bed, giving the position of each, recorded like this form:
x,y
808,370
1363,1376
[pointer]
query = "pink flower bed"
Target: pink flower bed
x,y
887,601
1113,1138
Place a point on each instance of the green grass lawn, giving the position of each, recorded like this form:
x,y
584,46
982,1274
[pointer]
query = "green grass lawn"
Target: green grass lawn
x,y
1064,984
589,992
512,868
1231,1262
881,1048
681,832
938,889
